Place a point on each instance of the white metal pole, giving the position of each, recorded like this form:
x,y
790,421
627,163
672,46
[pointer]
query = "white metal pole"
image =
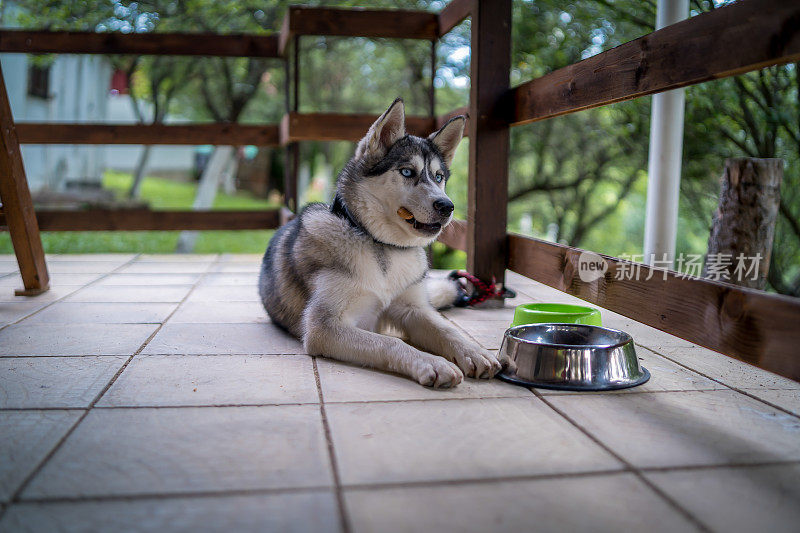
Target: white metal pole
x,y
664,162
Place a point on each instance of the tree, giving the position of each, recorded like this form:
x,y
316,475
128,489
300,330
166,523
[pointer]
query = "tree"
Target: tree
x,y
572,173
165,78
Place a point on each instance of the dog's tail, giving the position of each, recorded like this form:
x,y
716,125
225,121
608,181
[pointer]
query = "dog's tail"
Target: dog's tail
x,y
444,292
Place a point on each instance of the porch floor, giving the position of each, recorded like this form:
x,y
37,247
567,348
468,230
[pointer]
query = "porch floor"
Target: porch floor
x,y
152,393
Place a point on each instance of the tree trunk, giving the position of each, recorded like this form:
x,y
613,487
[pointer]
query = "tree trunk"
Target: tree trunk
x,y
740,242
229,175
218,163
138,175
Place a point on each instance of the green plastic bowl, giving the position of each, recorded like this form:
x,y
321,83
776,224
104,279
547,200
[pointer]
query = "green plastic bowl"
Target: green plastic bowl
x,y
556,313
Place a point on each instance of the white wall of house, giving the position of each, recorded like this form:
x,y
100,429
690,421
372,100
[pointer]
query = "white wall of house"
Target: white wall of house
x,y
78,93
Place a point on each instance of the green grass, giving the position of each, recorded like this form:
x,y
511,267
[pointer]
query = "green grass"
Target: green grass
x,y
448,258
160,194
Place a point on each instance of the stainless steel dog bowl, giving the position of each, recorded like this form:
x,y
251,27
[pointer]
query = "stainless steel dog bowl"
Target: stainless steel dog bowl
x,y
571,357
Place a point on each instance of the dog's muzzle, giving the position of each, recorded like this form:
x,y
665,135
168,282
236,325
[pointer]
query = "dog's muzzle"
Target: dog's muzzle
x,y
422,227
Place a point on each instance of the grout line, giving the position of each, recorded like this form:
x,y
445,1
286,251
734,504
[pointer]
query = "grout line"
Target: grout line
x,y
271,354
344,520
690,468
235,354
729,387
80,288
16,496
557,475
176,495
345,402
394,485
93,323
51,356
628,466
270,404
136,302
619,392
483,481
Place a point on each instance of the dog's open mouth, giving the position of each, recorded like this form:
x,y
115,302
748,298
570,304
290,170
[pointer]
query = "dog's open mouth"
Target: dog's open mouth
x,y
422,227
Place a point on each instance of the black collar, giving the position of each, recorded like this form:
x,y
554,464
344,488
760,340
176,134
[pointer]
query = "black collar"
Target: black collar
x,y
339,208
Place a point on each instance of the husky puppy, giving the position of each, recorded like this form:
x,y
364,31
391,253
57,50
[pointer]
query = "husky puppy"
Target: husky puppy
x,y
337,276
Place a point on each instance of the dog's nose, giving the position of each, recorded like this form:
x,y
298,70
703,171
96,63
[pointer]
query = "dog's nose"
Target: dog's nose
x,y
443,206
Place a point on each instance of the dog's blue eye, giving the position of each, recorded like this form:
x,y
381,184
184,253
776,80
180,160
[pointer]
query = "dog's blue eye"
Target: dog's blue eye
x,y
439,177
406,172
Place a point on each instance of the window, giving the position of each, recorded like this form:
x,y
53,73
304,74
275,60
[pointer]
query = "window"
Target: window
x,y
39,80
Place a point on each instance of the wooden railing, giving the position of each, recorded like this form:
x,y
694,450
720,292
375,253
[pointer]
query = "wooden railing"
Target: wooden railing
x,y
750,34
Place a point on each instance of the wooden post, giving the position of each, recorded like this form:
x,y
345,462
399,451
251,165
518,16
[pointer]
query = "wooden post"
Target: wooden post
x,y
432,87
488,140
17,206
292,150
432,115
740,242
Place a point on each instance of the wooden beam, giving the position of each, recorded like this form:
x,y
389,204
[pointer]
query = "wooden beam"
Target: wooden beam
x,y
293,127
190,134
487,189
17,207
147,220
291,161
291,169
754,326
746,35
432,84
455,235
341,126
358,22
453,14
176,44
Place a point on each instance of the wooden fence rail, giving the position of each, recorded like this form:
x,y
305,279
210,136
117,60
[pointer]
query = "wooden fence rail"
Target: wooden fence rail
x,y
293,128
375,23
193,134
747,35
176,44
147,220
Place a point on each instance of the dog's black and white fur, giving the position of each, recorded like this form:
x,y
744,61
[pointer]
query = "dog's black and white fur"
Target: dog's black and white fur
x,y
337,276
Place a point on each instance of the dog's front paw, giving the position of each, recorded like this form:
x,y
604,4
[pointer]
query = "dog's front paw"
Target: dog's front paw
x,y
506,362
437,372
476,362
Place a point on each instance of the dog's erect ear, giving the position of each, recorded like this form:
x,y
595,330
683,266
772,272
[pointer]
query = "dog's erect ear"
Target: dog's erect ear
x,y
388,129
448,137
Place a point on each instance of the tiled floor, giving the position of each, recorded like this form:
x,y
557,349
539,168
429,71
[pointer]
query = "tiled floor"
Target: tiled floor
x,y
151,393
